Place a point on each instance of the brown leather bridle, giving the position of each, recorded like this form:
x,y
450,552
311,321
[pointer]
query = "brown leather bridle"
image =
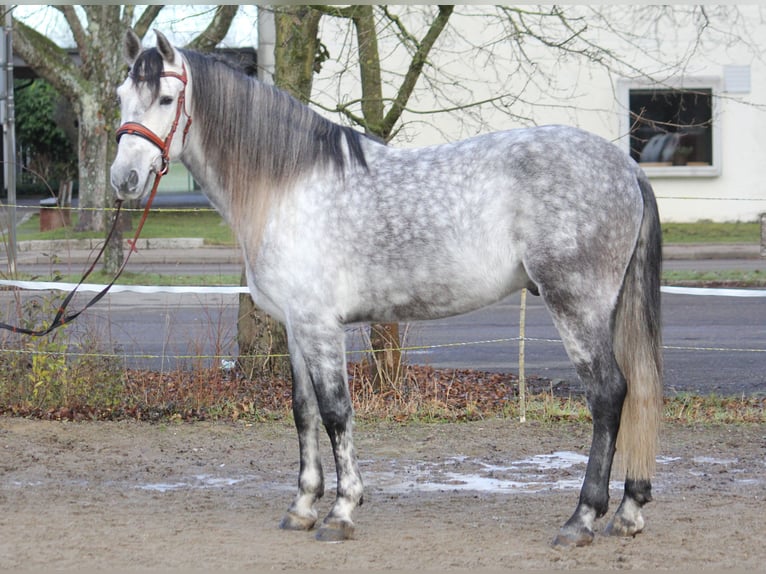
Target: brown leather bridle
x,y
140,130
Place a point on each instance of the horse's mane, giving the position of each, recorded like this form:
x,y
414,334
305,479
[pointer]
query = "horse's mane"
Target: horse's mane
x,y
260,139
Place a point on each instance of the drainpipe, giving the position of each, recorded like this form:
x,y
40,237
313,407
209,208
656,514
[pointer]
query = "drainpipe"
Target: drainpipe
x,y
7,114
267,34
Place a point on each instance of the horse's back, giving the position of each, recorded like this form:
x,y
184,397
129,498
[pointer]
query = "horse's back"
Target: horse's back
x,y
477,216
436,231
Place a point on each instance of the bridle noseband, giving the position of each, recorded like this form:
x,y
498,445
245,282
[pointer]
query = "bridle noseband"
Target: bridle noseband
x,y
140,130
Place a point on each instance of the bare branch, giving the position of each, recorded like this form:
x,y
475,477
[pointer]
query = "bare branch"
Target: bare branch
x,y
415,68
146,19
48,60
78,32
216,30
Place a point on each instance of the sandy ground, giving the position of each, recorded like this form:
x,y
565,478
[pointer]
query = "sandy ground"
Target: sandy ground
x,y
487,494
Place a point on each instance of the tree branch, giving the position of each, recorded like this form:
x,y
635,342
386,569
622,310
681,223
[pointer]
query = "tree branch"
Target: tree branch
x,y
48,60
147,18
337,11
79,33
416,67
216,30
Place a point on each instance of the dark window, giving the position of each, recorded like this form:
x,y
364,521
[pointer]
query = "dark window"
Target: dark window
x,y
671,127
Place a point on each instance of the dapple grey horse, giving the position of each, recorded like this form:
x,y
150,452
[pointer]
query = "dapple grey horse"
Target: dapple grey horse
x,y
338,228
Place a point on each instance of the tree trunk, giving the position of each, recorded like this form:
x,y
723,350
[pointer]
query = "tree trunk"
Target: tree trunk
x,y
96,148
384,337
262,340
387,357
295,50
92,172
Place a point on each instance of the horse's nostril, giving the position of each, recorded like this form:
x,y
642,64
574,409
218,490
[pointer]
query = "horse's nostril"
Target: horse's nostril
x,y
133,179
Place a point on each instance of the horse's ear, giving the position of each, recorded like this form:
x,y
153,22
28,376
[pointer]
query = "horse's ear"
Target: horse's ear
x,y
131,47
165,48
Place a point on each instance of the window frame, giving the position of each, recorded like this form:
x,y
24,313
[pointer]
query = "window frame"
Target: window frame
x,y
712,83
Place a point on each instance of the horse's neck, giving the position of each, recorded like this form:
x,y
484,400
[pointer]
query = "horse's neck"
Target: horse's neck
x,y
204,173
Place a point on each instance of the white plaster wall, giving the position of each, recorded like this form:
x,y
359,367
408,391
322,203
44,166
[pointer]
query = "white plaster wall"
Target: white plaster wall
x,y
578,94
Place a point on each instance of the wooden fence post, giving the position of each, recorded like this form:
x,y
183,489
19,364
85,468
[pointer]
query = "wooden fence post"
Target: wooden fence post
x,y
522,375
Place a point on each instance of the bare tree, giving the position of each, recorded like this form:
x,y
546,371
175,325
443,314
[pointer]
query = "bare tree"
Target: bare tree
x,y
519,53
90,87
380,118
262,341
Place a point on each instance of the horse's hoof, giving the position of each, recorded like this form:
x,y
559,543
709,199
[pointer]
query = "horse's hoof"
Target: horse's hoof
x,y
335,531
570,537
292,521
620,526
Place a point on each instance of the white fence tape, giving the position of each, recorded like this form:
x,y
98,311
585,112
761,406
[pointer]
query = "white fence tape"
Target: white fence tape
x,y
710,291
234,290
95,288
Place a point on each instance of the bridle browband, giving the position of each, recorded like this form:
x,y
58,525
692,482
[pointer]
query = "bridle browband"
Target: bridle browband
x,y
130,128
140,130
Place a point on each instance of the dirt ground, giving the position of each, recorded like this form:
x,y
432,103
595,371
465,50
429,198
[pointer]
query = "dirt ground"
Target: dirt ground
x,y
487,494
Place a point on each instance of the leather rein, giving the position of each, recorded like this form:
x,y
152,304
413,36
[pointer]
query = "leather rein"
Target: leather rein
x,y
128,128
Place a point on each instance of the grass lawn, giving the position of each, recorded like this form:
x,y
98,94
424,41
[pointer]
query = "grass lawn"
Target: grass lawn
x,y
160,224
710,232
210,226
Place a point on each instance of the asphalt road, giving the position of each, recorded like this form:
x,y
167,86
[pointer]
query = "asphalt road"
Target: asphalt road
x,y
228,267
712,344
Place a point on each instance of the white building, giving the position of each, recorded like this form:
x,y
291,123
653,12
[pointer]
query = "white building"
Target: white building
x,y
691,108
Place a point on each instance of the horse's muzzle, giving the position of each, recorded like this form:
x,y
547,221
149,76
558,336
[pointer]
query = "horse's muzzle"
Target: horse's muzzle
x,y
127,187
130,179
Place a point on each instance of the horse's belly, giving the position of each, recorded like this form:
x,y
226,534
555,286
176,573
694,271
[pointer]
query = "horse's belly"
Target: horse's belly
x,y
433,293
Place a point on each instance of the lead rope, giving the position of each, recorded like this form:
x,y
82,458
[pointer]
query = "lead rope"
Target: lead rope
x,y
132,128
61,317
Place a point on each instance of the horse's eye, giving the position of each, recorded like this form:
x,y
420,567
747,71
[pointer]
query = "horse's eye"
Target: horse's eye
x,y
166,100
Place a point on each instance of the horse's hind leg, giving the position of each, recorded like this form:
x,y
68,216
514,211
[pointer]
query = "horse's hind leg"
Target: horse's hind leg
x,y
587,336
321,385
627,521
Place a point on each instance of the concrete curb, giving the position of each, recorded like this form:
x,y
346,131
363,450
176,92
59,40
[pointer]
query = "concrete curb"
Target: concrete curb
x,y
194,250
711,251
68,245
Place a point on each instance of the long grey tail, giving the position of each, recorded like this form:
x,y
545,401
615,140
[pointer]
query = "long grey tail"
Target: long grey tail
x,y
638,345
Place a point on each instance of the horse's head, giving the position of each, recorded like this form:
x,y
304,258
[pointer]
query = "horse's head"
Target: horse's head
x,y
153,104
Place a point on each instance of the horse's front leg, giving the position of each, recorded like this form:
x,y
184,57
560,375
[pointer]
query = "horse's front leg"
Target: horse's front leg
x,y
302,515
323,349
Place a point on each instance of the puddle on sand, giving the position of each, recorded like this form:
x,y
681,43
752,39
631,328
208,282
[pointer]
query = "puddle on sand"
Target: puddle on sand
x,y
562,470
557,471
198,481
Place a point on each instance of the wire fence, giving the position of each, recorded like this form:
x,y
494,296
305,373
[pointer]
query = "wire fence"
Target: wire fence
x,y
40,286
35,285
